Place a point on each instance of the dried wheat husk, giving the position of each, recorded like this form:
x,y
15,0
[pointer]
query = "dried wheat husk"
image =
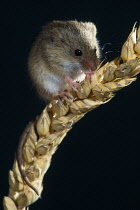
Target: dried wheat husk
x,y
56,120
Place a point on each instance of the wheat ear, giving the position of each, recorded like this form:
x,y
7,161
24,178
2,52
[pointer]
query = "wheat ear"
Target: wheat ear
x,y
46,133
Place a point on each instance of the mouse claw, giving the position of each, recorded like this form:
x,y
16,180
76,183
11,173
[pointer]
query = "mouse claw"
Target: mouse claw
x,y
64,95
73,85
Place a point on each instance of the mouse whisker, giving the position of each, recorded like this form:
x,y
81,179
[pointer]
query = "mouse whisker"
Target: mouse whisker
x,y
104,46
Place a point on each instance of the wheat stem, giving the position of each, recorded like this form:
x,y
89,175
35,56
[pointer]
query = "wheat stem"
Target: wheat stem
x,y
47,132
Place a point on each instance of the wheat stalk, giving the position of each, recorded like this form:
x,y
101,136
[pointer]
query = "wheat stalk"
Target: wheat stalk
x,y
46,133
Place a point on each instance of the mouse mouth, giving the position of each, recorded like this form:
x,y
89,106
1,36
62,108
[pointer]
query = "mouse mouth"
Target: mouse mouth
x,y
90,67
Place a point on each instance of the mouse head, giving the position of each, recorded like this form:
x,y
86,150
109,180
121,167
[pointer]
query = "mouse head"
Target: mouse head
x,y
71,46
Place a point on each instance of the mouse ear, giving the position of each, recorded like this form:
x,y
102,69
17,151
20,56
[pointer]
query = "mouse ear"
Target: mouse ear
x,y
53,29
57,35
53,35
90,26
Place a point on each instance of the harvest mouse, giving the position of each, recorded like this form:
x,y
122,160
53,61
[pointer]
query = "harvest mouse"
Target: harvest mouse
x,y
62,54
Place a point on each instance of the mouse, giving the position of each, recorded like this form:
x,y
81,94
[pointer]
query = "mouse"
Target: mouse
x,y
63,53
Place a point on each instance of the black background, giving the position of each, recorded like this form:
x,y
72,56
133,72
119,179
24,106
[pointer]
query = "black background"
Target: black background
x,y
97,166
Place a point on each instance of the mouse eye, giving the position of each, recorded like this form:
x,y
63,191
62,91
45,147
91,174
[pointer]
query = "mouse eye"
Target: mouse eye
x,y
78,52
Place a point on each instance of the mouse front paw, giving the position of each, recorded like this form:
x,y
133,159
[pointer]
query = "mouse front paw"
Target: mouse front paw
x,y
73,85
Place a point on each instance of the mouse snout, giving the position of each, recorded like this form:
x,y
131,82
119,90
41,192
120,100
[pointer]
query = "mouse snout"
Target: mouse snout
x,y
90,66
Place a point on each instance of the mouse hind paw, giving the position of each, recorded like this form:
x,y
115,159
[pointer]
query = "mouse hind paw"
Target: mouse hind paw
x,y
63,96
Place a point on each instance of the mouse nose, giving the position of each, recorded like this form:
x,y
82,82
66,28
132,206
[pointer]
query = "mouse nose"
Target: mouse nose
x,y
92,66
